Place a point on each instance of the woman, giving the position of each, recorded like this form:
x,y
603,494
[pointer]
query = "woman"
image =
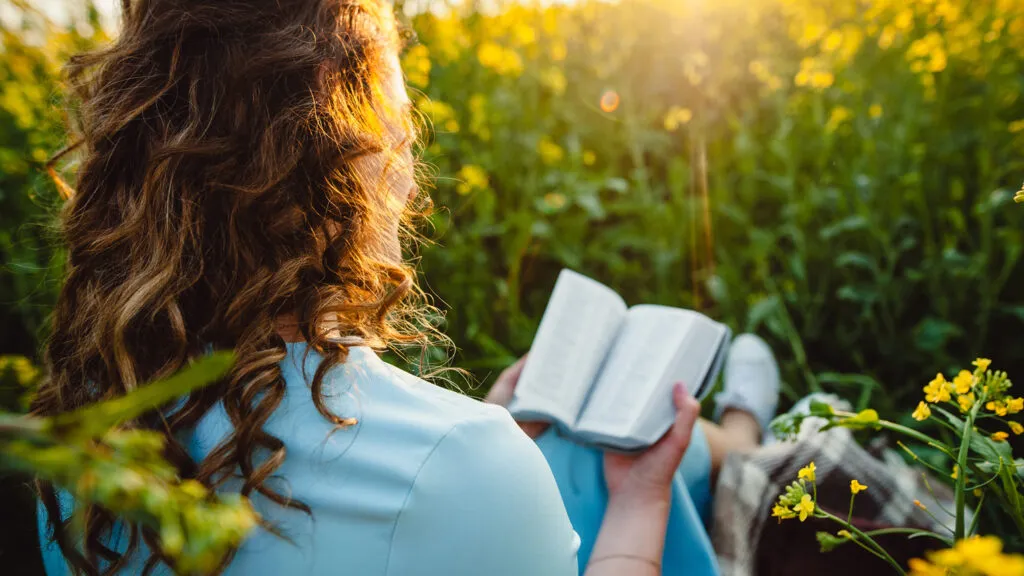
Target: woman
x,y
245,180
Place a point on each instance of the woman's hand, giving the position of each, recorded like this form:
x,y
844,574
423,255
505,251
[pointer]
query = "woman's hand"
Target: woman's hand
x,y
632,536
501,394
650,473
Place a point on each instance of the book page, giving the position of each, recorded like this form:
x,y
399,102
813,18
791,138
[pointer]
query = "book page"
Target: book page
x,y
573,339
657,347
641,355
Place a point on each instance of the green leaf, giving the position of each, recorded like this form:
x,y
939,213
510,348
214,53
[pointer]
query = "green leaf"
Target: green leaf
x,y
829,542
821,409
991,450
761,310
932,334
96,419
866,385
954,421
857,260
845,225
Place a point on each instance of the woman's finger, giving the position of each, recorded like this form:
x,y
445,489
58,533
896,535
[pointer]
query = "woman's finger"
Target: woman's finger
x,y
664,457
687,409
503,387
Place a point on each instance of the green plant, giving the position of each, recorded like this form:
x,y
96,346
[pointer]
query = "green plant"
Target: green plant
x,y
32,128
973,408
858,155
95,461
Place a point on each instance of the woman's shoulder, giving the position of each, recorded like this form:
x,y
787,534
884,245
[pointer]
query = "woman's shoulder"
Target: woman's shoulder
x,y
423,471
470,478
367,388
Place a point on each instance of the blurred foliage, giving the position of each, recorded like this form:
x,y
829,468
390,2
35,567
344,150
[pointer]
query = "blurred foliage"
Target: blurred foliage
x,y
859,159
123,470
32,128
18,377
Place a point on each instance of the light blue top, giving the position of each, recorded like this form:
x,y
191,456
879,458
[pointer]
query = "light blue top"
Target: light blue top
x,y
429,482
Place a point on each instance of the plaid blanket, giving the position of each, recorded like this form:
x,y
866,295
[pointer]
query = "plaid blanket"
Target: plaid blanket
x,y
749,541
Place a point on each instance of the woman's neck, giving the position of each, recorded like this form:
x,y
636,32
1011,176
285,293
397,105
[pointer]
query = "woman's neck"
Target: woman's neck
x,y
287,326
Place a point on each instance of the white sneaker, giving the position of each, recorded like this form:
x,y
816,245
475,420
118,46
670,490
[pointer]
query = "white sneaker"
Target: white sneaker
x,y
751,380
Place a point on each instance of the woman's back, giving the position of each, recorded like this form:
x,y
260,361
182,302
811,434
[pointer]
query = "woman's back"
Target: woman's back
x,y
428,482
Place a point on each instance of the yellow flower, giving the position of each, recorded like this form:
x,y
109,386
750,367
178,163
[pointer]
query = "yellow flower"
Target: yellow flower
x,y
782,513
875,111
1014,405
837,117
832,41
558,51
922,412
977,555
805,507
589,158
554,80
550,153
956,471
677,117
998,407
504,61
1015,126
822,79
920,505
978,548
416,65
1016,428
441,115
886,38
982,363
963,382
937,390
807,472
965,401
856,487
919,567
471,177
1000,436
554,200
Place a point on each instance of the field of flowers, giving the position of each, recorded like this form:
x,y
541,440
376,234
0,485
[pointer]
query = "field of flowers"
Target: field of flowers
x,y
834,175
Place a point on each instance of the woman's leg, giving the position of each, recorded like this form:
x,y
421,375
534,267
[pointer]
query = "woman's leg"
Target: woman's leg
x,y
743,408
737,431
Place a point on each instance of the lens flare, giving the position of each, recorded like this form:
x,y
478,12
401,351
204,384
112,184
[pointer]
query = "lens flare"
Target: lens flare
x,y
609,101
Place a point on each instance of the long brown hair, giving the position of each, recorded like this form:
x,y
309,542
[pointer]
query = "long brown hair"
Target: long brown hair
x,y
217,190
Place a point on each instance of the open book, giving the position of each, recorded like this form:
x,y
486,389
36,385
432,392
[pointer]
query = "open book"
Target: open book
x,y
604,372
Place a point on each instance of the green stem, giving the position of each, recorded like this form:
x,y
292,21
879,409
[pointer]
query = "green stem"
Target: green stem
x,y
920,436
868,548
913,532
925,463
961,474
20,426
977,516
868,539
938,503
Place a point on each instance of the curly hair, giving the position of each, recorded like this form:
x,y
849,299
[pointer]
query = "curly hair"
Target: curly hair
x,y
219,188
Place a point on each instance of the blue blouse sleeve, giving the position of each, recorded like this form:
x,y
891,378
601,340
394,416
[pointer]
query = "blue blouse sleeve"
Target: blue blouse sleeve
x,y
487,498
